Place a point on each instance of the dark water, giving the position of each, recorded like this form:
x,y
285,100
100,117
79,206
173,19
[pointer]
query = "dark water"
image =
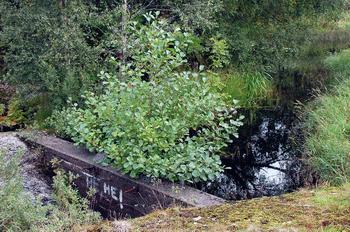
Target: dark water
x,y
264,161
7,128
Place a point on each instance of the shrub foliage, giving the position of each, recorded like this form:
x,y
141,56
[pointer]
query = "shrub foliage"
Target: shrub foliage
x,y
171,125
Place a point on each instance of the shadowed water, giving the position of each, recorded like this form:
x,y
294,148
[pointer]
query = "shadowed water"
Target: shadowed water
x,y
263,162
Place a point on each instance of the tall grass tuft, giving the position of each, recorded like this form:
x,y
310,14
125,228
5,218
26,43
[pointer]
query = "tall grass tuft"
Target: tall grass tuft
x,y
251,89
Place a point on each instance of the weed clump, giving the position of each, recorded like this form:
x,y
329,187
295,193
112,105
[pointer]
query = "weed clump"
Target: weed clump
x,y
19,212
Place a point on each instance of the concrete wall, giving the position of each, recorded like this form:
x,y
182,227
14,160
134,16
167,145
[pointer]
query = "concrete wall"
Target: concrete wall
x,y
117,195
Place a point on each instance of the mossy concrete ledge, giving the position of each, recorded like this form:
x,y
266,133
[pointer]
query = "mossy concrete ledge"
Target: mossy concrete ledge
x,y
117,195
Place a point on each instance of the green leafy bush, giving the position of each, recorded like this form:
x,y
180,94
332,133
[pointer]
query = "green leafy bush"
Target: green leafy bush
x,y
170,126
220,56
155,50
145,127
15,114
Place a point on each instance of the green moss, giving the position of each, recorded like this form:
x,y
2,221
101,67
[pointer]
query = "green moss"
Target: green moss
x,y
306,210
325,209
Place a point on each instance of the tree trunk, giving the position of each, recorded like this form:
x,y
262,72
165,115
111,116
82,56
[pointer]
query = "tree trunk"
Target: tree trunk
x,y
125,20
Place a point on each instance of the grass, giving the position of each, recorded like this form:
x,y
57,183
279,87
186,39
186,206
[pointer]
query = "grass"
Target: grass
x,y
250,89
333,198
340,64
328,121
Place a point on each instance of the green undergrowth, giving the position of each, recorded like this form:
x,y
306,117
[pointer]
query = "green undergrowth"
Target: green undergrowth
x,y
21,212
339,64
344,23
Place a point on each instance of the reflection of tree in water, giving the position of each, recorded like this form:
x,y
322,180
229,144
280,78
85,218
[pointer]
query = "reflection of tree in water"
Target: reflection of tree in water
x,y
261,164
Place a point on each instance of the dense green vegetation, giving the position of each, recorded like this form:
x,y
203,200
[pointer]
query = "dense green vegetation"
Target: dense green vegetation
x,y
143,126
155,84
162,86
329,125
54,50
